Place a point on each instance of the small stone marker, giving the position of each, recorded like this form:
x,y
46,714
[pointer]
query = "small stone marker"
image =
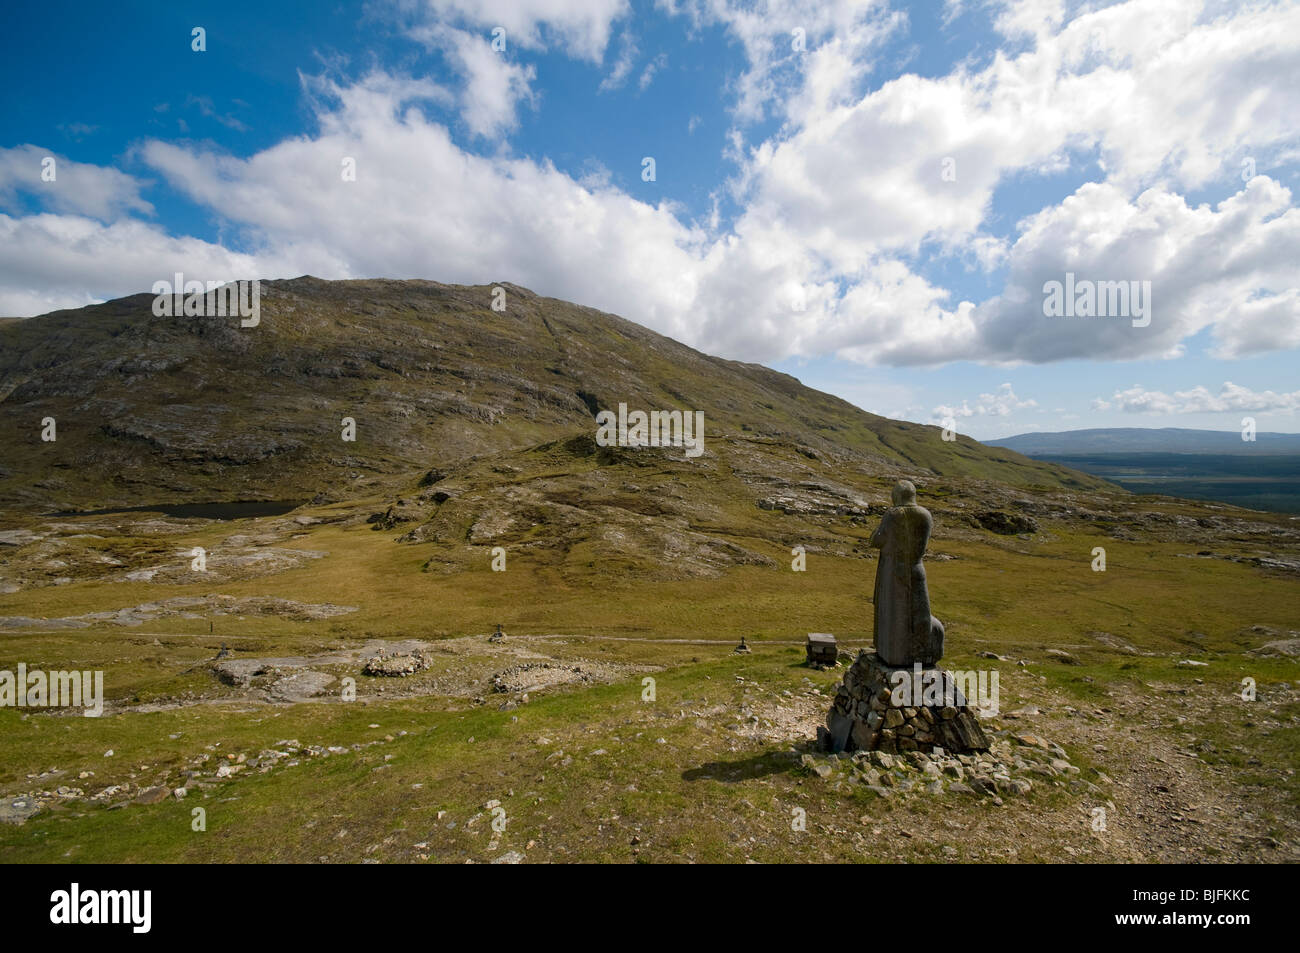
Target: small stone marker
x,y
742,648
498,635
822,649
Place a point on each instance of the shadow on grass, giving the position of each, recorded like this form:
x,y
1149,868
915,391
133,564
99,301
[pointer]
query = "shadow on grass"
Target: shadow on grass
x,y
758,766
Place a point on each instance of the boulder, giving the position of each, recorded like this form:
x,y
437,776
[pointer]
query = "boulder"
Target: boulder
x,y
1005,524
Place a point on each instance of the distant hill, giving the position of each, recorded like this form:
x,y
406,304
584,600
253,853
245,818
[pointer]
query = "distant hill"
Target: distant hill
x,y
156,409
1146,440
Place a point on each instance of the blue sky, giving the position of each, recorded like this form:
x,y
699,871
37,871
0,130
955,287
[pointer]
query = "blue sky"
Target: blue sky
x,y
869,196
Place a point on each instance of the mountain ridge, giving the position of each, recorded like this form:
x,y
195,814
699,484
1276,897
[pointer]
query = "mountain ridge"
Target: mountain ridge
x,y
151,409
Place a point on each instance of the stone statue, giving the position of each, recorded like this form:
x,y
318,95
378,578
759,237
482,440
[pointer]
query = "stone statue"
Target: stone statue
x,y
875,709
905,631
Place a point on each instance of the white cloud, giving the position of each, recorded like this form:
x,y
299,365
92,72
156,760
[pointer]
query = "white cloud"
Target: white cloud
x,y
1191,101
1038,19
835,34
421,206
837,204
494,86
123,258
628,52
1231,268
952,9
1003,403
1198,400
78,188
654,66
580,27
854,185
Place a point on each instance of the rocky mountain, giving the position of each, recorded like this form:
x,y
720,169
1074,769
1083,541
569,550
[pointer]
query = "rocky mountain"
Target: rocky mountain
x,y
176,409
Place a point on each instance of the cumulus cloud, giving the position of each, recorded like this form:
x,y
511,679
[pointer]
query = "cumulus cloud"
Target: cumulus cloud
x,y
78,188
119,259
1002,403
494,86
836,206
1231,268
1198,400
422,206
855,184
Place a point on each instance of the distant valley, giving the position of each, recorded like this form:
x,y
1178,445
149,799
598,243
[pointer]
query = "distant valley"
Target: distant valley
x,y
1263,473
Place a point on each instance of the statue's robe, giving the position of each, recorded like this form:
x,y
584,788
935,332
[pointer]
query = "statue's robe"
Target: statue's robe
x,y
905,631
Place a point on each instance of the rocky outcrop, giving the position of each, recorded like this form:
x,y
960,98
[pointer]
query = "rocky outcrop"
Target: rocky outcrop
x,y
1005,524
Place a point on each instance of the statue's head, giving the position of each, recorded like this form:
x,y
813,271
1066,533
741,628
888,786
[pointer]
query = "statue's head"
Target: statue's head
x,y
904,493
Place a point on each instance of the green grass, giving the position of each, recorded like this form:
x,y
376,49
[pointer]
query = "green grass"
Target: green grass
x,y
702,793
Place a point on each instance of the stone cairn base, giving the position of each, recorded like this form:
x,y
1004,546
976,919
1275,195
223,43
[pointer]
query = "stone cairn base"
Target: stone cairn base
x,y
865,718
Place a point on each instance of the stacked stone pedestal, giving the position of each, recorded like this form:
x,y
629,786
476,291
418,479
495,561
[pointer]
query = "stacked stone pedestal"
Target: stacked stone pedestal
x,y
866,715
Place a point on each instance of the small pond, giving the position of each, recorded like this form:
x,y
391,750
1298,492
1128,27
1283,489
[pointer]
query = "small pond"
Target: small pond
x,y
235,510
